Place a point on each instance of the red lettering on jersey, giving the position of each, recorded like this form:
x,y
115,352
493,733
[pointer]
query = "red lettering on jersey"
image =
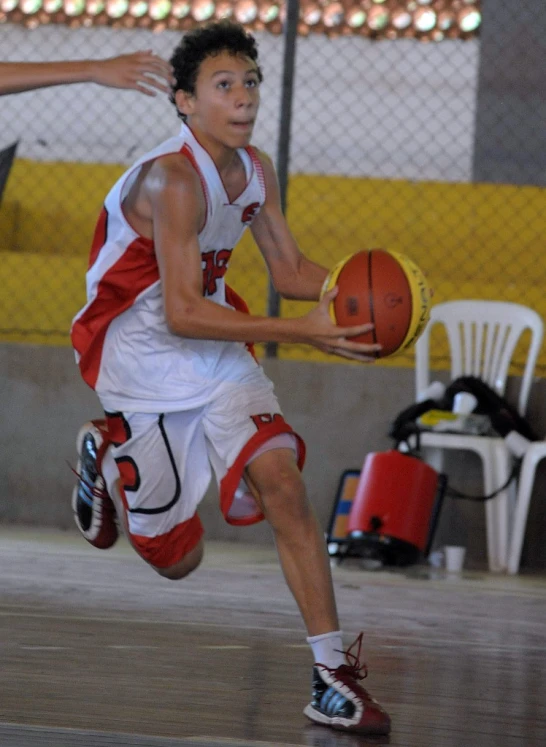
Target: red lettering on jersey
x,y
249,213
266,418
215,264
207,263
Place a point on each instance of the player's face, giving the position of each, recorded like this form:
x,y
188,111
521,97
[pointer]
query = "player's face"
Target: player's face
x,y
226,100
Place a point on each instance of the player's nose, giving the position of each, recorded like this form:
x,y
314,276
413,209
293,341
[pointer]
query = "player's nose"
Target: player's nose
x,y
244,97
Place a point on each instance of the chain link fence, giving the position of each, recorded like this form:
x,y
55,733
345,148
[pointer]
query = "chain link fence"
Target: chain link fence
x,y
431,146
73,143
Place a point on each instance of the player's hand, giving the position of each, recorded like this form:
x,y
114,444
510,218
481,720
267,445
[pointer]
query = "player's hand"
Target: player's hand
x,y
328,337
139,71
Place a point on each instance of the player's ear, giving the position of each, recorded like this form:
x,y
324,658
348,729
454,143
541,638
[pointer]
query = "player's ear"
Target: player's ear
x,y
184,101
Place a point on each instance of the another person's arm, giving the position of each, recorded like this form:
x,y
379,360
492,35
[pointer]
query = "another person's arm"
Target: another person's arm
x,y
178,210
140,71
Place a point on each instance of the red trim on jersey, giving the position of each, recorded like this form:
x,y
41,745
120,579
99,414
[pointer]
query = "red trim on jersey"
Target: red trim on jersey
x,y
99,237
247,181
117,290
259,168
188,152
232,478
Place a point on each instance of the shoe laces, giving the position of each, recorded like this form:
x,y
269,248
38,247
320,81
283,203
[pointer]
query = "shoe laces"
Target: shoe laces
x,y
354,668
357,669
96,492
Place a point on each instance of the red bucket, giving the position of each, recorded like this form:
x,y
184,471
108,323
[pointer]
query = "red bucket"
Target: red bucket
x,y
395,507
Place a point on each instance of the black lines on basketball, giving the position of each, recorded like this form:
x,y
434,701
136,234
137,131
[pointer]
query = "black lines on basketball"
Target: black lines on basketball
x,y
376,287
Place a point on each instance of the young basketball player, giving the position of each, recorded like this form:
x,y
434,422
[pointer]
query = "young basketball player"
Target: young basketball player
x,y
141,71
164,343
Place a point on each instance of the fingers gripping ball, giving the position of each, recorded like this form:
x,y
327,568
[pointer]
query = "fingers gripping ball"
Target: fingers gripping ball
x,y
383,288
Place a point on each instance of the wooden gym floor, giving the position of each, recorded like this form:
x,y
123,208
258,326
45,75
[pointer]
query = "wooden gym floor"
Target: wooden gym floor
x,y
97,651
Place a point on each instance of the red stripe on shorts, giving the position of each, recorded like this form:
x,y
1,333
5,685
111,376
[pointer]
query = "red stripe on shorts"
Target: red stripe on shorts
x,y
232,478
165,550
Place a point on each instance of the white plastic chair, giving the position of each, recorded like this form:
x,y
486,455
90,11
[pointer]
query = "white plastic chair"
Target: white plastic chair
x,y
482,337
534,454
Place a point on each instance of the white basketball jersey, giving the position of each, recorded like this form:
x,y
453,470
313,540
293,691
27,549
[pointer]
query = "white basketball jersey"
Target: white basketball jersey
x,y
123,345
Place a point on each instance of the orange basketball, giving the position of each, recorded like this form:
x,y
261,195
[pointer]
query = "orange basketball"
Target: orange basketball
x,y
384,288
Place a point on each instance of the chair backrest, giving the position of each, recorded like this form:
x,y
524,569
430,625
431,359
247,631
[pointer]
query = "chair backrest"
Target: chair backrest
x,y
482,338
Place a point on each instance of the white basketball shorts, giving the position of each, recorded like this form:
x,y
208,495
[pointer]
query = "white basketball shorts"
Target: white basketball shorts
x,y
165,462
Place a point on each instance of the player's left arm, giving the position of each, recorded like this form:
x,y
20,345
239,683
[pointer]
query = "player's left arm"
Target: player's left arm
x,y
293,274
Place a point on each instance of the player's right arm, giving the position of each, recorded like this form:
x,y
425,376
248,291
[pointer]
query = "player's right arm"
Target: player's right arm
x,y
178,211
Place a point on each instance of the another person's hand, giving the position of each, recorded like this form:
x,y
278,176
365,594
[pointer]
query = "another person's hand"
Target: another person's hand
x,y
323,334
141,71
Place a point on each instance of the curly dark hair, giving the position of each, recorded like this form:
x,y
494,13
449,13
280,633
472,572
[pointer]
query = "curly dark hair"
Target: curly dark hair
x,y
207,41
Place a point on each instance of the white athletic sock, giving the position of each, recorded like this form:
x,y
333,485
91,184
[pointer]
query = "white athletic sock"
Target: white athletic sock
x,y
328,649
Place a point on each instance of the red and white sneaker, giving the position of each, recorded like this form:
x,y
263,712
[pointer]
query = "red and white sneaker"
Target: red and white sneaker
x,y
94,511
339,701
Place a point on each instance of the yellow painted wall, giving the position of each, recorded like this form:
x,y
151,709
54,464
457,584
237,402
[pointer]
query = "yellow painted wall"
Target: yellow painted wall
x,y
481,241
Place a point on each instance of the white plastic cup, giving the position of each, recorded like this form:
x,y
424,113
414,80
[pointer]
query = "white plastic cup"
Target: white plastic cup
x,y
454,558
464,403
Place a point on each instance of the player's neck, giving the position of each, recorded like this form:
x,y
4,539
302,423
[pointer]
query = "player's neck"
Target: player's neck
x,y
222,155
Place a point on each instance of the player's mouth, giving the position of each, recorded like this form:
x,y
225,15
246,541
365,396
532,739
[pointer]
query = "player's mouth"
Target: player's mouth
x,y
243,126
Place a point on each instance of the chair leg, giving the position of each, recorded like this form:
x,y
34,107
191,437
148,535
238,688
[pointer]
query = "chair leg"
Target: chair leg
x,y
491,518
496,464
503,461
496,469
525,490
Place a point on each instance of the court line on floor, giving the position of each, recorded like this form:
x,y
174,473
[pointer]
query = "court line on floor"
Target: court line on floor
x,y
405,642
9,729
11,610
241,595
145,621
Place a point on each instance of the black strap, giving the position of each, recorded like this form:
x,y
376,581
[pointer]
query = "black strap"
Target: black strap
x,y
454,493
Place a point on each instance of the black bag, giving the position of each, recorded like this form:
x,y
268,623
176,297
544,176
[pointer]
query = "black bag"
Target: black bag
x,y
504,417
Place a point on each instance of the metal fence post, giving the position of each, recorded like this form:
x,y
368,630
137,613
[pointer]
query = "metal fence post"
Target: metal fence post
x,y
290,32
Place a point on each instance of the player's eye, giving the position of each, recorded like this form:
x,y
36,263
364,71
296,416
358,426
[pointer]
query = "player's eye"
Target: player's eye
x,y
251,83
223,84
